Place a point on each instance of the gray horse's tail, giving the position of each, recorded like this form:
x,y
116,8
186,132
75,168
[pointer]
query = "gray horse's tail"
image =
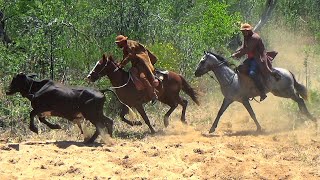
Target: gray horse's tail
x,y
301,89
189,90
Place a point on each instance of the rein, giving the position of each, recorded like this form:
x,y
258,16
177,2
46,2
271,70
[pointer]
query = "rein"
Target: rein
x,y
115,70
118,87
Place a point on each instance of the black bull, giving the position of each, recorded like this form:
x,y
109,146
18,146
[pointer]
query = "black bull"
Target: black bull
x,y
49,98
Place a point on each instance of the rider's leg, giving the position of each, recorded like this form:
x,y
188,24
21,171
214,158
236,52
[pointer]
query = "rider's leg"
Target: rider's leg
x,y
275,73
253,69
150,89
136,78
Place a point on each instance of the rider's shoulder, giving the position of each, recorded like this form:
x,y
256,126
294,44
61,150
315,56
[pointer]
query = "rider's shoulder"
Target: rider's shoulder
x,y
256,36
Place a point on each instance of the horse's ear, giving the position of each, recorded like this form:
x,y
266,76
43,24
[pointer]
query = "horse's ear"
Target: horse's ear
x,y
104,56
110,57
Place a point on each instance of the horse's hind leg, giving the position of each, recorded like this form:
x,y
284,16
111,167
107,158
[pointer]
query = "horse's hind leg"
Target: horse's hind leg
x,y
124,111
224,106
184,104
166,116
252,114
303,108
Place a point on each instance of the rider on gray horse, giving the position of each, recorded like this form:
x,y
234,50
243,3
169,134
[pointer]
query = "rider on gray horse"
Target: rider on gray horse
x,y
257,58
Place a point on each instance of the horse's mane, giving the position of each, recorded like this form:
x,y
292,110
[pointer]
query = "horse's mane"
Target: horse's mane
x,y
110,57
223,59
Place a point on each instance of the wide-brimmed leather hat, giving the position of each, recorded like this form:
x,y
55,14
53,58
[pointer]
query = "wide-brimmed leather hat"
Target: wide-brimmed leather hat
x,y
246,27
121,38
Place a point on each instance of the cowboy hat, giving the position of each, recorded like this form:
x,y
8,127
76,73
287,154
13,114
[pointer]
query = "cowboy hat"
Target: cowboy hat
x,y
121,38
246,27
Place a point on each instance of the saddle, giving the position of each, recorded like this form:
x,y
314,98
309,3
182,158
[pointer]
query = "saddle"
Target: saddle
x,y
159,75
242,70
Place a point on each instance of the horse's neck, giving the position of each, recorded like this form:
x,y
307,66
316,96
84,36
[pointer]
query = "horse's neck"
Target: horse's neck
x,y
118,78
224,74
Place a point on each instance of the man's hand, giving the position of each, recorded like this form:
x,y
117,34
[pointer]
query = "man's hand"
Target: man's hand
x,y
130,55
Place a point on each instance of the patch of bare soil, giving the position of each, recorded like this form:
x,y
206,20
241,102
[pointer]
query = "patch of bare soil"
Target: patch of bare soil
x,y
235,151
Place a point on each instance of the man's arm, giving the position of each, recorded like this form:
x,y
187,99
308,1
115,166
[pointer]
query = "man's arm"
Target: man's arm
x,y
250,46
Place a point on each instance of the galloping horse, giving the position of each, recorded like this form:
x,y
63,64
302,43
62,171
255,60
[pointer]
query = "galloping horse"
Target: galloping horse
x,y
168,90
240,88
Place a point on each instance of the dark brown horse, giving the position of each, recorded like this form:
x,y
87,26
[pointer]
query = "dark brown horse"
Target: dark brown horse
x,y
168,90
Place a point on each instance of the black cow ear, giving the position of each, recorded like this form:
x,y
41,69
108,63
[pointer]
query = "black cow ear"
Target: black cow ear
x,y
104,56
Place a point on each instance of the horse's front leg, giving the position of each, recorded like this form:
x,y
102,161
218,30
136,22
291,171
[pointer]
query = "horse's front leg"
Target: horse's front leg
x,y
247,105
145,117
224,106
124,111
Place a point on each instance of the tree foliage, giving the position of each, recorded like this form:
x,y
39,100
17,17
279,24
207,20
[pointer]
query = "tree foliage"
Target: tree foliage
x,y
62,39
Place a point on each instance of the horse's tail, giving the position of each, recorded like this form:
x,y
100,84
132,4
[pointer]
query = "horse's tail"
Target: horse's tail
x,y
301,89
189,90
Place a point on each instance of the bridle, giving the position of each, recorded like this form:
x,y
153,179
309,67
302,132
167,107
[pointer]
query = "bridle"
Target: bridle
x,y
115,70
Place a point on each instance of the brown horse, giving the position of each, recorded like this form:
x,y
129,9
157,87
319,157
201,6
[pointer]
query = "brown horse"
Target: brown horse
x,y
168,90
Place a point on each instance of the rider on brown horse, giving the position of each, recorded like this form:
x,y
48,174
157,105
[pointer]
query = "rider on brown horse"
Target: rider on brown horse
x,y
257,58
142,61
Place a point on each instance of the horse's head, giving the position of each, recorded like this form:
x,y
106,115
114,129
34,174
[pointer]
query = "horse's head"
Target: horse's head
x,y
208,62
102,67
20,83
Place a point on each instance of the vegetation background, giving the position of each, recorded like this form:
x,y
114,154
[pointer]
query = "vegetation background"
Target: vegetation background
x,y
62,40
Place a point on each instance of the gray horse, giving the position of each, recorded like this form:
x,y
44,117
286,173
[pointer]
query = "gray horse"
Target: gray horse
x,y
238,87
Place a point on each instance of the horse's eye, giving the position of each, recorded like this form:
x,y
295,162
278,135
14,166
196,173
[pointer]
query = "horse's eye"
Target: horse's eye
x,y
101,61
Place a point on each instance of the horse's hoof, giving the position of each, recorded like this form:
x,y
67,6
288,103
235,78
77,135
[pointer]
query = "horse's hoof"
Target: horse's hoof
x,y
184,121
212,130
56,126
137,123
166,123
90,141
35,130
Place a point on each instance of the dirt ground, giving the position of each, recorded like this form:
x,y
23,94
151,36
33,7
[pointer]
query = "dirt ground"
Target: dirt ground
x,y
284,150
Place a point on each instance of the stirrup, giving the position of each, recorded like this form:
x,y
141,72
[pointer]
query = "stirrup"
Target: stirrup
x,y
154,100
